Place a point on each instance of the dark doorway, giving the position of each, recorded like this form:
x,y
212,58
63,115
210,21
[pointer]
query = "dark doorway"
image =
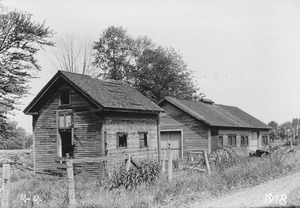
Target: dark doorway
x,y
66,143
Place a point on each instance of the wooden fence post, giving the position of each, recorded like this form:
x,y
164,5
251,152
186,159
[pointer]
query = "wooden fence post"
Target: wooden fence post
x,y
206,160
71,185
170,165
5,186
127,163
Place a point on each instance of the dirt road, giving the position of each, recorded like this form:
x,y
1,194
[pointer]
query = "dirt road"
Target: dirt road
x,y
256,196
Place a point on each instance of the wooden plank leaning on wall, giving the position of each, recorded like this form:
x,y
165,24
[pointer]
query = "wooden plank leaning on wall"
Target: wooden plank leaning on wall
x,y
158,138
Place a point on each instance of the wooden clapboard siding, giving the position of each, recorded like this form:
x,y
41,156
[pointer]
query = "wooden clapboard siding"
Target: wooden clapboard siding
x,y
45,134
88,124
195,133
132,125
87,132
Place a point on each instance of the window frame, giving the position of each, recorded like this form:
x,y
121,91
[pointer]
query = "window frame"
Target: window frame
x,y
220,137
64,128
230,143
243,137
64,115
118,139
60,98
265,140
144,139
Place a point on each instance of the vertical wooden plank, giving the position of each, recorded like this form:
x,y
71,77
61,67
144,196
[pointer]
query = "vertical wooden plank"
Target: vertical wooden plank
x,y
103,136
71,185
209,140
158,138
34,163
206,160
59,151
181,139
127,163
170,165
5,186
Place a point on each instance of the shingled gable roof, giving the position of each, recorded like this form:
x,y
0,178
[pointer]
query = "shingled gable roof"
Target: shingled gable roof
x,y
216,115
107,95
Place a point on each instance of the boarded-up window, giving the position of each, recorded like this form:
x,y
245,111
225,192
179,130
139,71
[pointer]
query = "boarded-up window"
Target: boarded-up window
x,y
121,139
232,140
65,98
143,139
62,121
244,140
220,140
65,120
68,119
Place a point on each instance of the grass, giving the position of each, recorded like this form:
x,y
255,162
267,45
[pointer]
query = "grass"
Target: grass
x,y
294,197
186,187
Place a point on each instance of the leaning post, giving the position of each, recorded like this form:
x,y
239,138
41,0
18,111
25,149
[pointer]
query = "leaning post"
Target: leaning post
x,y
5,186
127,163
206,160
71,185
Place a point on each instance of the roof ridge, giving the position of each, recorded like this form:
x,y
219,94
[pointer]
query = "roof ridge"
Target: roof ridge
x,y
218,114
62,71
103,80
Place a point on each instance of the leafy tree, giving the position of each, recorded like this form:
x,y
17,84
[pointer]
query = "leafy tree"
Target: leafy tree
x,y
18,137
73,54
274,132
153,70
286,129
161,72
113,53
20,38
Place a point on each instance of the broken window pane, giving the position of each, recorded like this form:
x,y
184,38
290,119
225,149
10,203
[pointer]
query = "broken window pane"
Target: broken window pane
x,y
122,140
64,97
143,139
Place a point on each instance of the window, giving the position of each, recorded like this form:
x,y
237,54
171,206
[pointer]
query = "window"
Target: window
x,y
264,140
244,140
65,120
65,98
232,140
143,139
121,139
220,141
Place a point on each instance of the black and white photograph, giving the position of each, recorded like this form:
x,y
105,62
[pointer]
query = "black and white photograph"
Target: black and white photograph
x,y
149,103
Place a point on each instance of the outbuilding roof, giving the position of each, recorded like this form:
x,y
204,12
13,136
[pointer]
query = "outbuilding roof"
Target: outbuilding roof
x,y
106,94
216,115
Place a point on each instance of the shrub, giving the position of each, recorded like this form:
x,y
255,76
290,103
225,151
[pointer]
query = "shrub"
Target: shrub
x,y
225,157
147,172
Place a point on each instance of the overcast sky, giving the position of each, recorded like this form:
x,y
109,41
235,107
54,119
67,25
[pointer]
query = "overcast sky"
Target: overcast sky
x,y
244,53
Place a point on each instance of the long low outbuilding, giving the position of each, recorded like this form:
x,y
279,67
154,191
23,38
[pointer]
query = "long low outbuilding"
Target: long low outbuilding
x,y
193,125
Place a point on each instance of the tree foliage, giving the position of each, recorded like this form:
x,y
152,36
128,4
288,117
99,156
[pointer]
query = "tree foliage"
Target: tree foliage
x,y
285,129
113,53
18,137
153,70
274,132
20,40
161,72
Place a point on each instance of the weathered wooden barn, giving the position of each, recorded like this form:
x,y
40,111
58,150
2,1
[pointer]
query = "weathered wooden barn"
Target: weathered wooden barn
x,y
79,116
194,125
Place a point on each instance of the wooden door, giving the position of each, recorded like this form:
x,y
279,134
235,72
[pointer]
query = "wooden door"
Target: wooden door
x,y
175,139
